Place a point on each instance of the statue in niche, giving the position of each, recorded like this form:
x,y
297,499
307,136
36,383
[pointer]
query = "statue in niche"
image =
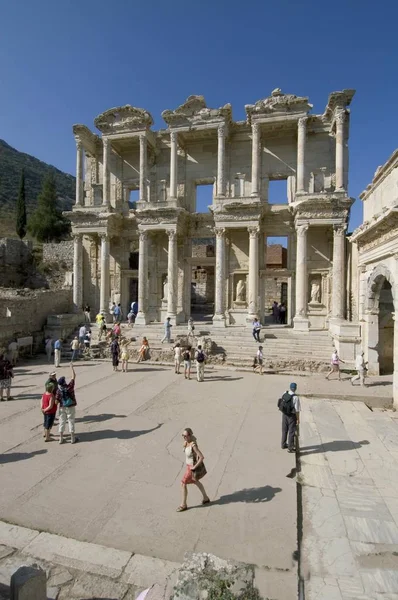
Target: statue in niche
x,y
241,291
315,292
165,289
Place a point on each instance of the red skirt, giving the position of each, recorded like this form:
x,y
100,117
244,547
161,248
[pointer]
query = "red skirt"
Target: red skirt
x,y
188,478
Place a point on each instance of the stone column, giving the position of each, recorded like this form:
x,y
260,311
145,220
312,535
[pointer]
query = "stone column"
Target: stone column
x,y
173,165
219,297
253,272
340,132
300,320
79,173
255,158
301,138
105,173
221,160
338,289
143,167
105,279
172,276
142,279
77,272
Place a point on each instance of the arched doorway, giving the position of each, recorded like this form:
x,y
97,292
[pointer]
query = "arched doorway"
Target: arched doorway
x,y
386,330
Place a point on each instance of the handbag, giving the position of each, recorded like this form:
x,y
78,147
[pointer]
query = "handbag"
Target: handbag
x,y
199,471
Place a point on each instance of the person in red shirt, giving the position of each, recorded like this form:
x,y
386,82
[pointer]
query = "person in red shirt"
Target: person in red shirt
x,y
49,409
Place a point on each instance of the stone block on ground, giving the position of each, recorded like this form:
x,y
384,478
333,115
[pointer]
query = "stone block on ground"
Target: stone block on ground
x,y
144,571
89,586
29,583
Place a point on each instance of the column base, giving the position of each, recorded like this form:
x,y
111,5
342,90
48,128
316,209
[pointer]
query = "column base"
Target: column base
x,y
301,323
219,321
141,319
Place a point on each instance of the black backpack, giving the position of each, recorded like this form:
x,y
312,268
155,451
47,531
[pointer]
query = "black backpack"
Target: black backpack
x,y
200,356
285,404
187,355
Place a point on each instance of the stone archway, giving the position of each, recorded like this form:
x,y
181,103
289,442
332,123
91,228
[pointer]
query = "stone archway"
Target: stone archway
x,y
380,321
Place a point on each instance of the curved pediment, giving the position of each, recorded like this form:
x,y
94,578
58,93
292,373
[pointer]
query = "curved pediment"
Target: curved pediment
x,y
123,119
278,103
194,111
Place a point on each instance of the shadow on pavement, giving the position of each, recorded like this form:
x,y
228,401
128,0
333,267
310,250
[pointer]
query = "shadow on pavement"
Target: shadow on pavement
x,y
249,495
376,383
27,396
122,434
336,446
134,370
98,418
16,456
225,378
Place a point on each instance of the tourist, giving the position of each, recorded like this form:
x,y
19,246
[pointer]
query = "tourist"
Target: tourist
x,y
49,409
87,313
117,311
99,318
259,361
275,312
200,358
87,342
57,352
112,311
195,469
144,350
13,352
134,310
66,399
187,363
49,348
102,328
289,405
6,377
282,313
82,335
125,355
360,366
256,329
335,362
75,348
115,352
177,357
130,316
167,331
191,327
116,330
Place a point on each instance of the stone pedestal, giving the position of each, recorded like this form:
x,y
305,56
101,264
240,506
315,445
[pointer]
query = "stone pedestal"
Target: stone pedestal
x,y
346,336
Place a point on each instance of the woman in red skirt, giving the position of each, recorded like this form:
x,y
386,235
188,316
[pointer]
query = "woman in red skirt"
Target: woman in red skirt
x,y
194,460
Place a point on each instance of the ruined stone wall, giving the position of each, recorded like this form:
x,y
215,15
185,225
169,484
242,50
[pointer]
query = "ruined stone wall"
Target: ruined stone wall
x,y
15,256
60,253
25,312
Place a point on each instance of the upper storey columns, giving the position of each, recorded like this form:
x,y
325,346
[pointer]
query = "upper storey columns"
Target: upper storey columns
x,y
301,141
340,134
221,137
173,165
143,167
256,158
79,172
105,172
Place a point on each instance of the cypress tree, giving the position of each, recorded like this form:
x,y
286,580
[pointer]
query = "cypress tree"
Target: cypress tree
x,y
47,223
21,209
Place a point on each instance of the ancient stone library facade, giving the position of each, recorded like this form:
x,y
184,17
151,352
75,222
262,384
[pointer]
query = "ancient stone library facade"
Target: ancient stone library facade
x,y
172,258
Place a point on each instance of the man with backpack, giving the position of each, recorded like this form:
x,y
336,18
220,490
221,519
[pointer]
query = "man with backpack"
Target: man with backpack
x,y
289,405
65,397
200,358
6,376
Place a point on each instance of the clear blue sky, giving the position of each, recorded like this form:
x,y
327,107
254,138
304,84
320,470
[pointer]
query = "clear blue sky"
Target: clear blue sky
x,y
66,61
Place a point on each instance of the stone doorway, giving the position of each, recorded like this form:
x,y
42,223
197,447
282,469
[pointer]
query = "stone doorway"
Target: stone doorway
x,y
386,330
202,291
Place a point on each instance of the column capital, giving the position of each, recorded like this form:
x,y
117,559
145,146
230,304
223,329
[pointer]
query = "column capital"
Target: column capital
x,y
104,236
106,143
77,236
171,233
301,229
302,123
255,128
143,136
339,230
174,137
143,236
220,232
79,143
222,130
340,116
253,231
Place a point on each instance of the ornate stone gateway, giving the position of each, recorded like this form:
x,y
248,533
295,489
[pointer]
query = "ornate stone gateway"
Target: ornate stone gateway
x,y
280,140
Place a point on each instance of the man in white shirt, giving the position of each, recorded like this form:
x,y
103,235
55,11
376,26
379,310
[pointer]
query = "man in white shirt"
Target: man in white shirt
x,y
13,352
360,366
290,407
200,358
177,358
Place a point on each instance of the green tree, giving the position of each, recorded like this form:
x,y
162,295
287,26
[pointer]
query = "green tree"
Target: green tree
x,y
47,224
21,209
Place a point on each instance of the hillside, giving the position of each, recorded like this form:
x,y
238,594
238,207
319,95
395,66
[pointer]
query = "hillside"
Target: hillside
x,y
11,163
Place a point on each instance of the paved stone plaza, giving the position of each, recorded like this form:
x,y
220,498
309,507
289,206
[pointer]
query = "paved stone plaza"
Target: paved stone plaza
x,y
119,486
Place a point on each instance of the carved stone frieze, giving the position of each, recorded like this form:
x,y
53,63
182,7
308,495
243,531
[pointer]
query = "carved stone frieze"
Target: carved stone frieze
x,y
123,119
378,240
194,111
277,103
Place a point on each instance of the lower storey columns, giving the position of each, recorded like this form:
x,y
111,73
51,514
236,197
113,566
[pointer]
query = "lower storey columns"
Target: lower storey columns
x,y
172,276
338,289
105,280
219,303
253,272
77,272
301,320
142,279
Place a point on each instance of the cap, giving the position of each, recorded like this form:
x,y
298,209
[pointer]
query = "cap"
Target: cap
x,y
293,386
53,374
62,381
